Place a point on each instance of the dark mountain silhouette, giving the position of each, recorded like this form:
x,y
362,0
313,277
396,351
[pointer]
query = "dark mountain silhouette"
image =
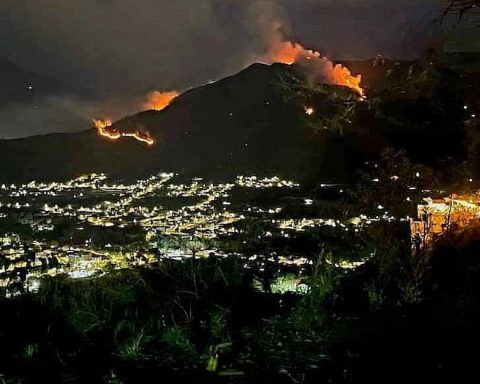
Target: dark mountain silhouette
x,y
255,122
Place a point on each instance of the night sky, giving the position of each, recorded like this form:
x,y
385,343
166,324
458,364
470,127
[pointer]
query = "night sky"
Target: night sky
x,y
63,62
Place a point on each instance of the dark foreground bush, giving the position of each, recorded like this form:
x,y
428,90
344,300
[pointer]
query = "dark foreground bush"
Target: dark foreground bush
x,y
202,322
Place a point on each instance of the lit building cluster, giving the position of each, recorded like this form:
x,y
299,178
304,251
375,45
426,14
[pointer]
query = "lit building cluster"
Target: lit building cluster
x,y
155,207
23,262
267,182
92,201
436,216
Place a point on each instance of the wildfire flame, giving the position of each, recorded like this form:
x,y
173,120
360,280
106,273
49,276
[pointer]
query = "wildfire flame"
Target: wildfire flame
x,y
289,52
104,128
159,100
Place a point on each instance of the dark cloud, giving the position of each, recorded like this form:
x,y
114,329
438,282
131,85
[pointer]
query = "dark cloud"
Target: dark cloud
x,y
113,45
103,50
349,29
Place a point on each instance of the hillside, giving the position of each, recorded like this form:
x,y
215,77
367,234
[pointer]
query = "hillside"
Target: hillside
x,y
217,129
255,122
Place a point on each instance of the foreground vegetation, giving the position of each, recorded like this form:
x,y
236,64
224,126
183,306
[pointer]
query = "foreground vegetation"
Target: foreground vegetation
x,y
395,319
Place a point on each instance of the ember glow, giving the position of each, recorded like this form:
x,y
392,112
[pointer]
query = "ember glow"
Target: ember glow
x,y
309,111
288,52
144,137
159,100
104,128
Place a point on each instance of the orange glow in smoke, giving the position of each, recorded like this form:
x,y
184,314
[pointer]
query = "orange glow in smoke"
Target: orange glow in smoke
x,y
288,52
159,100
104,128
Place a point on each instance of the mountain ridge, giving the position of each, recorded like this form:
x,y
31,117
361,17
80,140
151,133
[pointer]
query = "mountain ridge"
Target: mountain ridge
x,y
252,122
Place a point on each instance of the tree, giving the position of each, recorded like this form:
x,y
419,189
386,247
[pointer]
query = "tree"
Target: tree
x,y
460,8
164,244
256,242
194,245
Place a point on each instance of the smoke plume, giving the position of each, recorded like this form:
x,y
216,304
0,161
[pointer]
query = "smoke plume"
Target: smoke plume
x,y
105,55
279,47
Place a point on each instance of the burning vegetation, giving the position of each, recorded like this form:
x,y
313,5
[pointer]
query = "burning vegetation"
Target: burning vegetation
x,y
105,129
318,67
158,100
155,100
